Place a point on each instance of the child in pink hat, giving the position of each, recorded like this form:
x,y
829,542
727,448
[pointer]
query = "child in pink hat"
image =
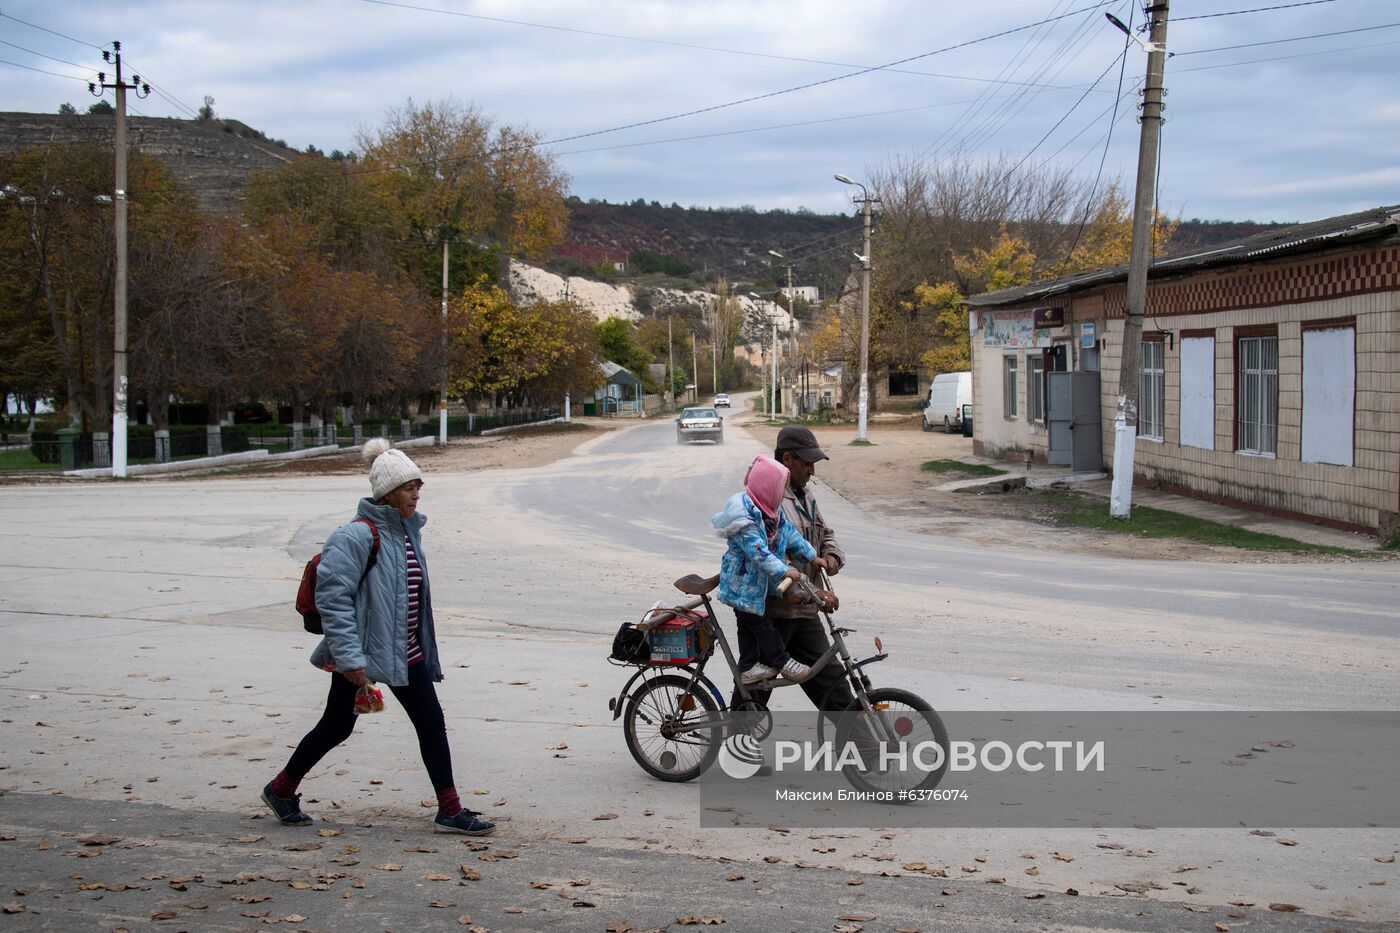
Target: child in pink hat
x,y
760,537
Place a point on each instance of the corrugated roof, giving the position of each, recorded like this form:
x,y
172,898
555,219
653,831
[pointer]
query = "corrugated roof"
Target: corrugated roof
x,y
1376,223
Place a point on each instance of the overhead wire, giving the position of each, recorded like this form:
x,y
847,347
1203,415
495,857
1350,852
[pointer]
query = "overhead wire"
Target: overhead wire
x,y
1258,9
1094,188
1320,35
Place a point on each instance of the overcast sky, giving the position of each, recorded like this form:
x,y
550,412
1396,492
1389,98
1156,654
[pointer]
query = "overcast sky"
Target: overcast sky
x,y
1279,130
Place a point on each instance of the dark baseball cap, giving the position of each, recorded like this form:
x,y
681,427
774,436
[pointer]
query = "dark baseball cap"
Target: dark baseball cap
x,y
794,438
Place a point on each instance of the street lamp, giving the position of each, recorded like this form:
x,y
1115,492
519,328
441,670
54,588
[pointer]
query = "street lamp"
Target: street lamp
x,y
792,316
865,201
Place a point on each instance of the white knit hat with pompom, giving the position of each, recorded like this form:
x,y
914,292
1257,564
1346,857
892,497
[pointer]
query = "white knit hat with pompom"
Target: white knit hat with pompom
x,y
391,468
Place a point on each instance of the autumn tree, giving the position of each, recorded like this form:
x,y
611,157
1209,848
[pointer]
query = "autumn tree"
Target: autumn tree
x,y
446,173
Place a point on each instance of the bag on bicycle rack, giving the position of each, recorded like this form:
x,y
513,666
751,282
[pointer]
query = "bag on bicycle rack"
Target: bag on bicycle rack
x,y
630,645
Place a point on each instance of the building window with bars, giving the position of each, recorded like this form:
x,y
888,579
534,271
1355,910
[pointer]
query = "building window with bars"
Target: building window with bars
x,y
1035,387
1010,382
1152,391
1256,395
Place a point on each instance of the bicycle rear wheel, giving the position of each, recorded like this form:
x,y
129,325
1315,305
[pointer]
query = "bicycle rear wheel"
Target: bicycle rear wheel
x,y
673,728
887,747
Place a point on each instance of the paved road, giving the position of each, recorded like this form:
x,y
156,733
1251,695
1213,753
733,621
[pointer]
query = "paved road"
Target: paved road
x,y
152,659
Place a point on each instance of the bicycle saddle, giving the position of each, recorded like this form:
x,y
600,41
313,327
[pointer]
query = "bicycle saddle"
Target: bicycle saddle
x,y
694,585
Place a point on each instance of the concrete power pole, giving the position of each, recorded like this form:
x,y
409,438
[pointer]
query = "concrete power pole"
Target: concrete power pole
x,y
864,416
694,368
670,364
1144,208
119,380
446,350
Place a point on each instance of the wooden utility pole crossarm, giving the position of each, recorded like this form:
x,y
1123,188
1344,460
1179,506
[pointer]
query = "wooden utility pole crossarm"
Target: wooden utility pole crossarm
x,y
1144,215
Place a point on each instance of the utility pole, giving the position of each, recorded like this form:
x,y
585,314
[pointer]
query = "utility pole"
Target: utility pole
x,y
446,349
865,201
670,363
1144,209
694,367
119,380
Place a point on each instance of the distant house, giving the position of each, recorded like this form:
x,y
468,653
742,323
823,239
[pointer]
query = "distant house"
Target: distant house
x,y
620,394
1270,371
805,292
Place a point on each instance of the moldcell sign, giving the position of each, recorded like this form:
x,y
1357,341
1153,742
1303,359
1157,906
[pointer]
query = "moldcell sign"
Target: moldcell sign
x,y
1049,317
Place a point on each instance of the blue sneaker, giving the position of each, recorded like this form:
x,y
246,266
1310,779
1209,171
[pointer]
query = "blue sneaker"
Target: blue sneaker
x,y
288,809
468,823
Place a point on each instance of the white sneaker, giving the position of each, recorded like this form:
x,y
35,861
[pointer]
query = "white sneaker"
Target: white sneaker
x,y
795,671
759,672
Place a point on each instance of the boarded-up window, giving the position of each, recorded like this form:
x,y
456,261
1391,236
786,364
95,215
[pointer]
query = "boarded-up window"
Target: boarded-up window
x,y
1198,392
1329,394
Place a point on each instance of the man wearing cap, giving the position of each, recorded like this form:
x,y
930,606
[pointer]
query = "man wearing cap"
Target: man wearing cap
x,y
798,624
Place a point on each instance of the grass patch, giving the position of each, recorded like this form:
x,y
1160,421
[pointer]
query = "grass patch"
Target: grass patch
x,y
23,459
860,443
957,466
1147,522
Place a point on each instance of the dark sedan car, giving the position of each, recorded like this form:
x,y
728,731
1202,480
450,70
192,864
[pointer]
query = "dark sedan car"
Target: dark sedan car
x,y
699,424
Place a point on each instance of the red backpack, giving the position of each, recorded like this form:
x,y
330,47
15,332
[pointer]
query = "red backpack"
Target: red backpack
x,y
306,593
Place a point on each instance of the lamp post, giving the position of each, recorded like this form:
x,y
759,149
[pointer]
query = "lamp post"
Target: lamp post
x,y
865,201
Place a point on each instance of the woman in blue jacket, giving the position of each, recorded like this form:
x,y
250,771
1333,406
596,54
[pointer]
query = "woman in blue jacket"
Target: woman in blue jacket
x,y
377,615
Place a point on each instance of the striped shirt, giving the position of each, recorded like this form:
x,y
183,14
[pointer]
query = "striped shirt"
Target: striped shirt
x,y
415,586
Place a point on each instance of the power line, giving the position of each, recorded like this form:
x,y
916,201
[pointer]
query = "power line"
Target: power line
x,y
1284,58
1320,35
663,42
812,84
43,72
49,31
771,127
61,61
1258,9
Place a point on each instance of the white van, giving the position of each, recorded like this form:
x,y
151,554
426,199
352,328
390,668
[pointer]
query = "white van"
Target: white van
x,y
946,398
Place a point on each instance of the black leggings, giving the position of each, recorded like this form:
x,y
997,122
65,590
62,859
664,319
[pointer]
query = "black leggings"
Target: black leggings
x,y
419,700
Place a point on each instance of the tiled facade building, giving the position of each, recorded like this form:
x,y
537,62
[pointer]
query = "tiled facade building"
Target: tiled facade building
x,y
1271,369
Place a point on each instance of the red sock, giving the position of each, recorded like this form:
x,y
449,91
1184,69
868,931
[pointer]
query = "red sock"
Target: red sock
x,y
283,786
448,802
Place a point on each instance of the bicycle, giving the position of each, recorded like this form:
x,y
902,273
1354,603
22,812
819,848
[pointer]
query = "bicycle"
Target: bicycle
x,y
675,722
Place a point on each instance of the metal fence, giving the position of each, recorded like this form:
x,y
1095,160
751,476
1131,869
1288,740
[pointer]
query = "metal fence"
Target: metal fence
x,y
45,450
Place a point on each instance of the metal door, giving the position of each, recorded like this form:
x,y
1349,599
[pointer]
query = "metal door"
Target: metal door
x,y
1076,439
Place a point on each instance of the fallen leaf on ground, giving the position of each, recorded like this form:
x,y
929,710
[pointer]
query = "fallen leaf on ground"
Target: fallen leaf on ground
x,y
163,915
1284,908
1072,892
1387,859
246,840
619,926
735,877
606,816
99,839
390,866
915,866
583,904
512,910
557,746
329,832
442,904
1286,842
540,885
517,683
1061,856
856,918
303,847
856,881
438,876
1222,928
294,918
470,874
1035,895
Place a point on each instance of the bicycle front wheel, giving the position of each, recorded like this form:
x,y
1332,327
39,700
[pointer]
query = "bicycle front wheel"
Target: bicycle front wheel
x,y
888,741
673,728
